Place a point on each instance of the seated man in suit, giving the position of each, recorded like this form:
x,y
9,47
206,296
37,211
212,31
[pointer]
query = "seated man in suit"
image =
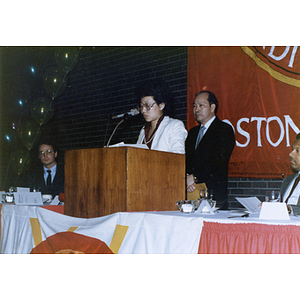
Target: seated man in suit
x,y
208,149
290,187
48,178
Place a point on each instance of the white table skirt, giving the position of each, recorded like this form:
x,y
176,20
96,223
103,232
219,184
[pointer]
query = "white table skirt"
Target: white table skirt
x,y
23,227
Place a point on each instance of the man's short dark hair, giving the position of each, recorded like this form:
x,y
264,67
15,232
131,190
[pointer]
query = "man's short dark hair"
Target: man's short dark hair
x,y
212,99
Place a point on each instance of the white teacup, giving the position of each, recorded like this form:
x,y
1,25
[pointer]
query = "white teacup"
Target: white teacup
x,y
9,198
187,206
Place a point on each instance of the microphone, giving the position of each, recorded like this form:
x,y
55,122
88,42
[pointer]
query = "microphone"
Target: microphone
x,y
132,112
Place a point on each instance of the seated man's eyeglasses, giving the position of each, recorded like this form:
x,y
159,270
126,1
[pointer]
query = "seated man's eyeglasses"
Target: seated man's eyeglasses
x,y
43,153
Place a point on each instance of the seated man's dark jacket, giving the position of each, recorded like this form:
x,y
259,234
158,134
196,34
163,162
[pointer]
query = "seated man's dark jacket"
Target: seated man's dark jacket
x,y
284,186
35,179
209,162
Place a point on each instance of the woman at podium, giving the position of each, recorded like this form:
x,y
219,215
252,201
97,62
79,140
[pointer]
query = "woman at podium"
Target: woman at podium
x,y
160,132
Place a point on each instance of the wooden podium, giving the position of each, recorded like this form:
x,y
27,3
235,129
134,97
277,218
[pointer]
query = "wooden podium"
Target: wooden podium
x,y
101,181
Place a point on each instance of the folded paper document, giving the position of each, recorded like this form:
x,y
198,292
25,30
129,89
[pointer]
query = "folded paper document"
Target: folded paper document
x,y
28,198
274,211
143,146
250,203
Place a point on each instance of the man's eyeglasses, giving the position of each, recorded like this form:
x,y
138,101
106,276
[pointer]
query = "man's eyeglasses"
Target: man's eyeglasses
x,y
146,106
43,153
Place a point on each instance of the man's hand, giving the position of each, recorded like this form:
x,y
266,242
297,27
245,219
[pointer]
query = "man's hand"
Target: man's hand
x,y
190,183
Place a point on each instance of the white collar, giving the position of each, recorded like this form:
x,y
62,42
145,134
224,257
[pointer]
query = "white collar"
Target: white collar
x,y
208,123
53,169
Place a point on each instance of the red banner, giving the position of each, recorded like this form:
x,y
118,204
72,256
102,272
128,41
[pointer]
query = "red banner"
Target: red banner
x,y
258,89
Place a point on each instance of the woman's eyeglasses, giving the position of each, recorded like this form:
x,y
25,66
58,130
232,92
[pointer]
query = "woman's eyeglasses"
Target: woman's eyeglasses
x,y
146,106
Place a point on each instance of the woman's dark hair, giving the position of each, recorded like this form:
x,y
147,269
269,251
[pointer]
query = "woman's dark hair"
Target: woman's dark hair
x,y
212,99
160,92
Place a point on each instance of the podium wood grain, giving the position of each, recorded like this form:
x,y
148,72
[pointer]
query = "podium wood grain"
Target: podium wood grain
x,y
101,181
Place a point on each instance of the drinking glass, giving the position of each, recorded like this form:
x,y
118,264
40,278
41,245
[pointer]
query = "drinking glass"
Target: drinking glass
x,y
204,194
272,196
210,198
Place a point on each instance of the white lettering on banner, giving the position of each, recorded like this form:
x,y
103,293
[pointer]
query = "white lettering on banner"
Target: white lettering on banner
x,y
283,55
268,131
243,132
258,126
284,130
289,121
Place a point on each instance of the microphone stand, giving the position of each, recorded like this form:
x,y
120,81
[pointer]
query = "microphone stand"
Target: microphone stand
x,y
114,132
125,117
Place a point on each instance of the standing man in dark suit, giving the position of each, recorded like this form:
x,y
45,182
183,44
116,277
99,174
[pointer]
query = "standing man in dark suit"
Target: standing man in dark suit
x,y
208,149
49,177
290,187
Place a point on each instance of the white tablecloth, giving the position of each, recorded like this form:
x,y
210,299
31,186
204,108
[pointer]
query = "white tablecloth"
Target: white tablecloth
x,y
25,227
232,217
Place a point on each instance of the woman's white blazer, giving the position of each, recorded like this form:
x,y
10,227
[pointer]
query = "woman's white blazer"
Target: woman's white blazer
x,y
170,136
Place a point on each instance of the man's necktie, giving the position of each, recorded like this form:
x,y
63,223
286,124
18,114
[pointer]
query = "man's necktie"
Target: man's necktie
x,y
200,136
293,188
49,178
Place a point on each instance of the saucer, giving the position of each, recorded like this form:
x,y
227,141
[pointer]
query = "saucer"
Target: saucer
x,y
207,211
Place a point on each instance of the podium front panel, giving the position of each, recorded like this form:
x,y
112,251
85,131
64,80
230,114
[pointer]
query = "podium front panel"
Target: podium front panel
x,y
156,180
101,181
95,182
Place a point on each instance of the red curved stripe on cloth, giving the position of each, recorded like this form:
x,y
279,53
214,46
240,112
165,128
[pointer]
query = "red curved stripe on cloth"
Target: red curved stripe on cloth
x,y
71,242
249,238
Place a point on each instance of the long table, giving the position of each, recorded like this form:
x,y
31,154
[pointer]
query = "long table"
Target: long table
x,y
219,233
224,232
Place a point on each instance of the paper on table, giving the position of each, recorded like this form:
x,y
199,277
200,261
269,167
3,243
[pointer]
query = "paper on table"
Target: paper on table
x,y
250,203
2,194
23,190
55,201
274,211
144,146
28,198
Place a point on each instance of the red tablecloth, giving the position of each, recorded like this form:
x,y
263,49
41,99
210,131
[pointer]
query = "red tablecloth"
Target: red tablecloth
x,y
249,238
56,208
